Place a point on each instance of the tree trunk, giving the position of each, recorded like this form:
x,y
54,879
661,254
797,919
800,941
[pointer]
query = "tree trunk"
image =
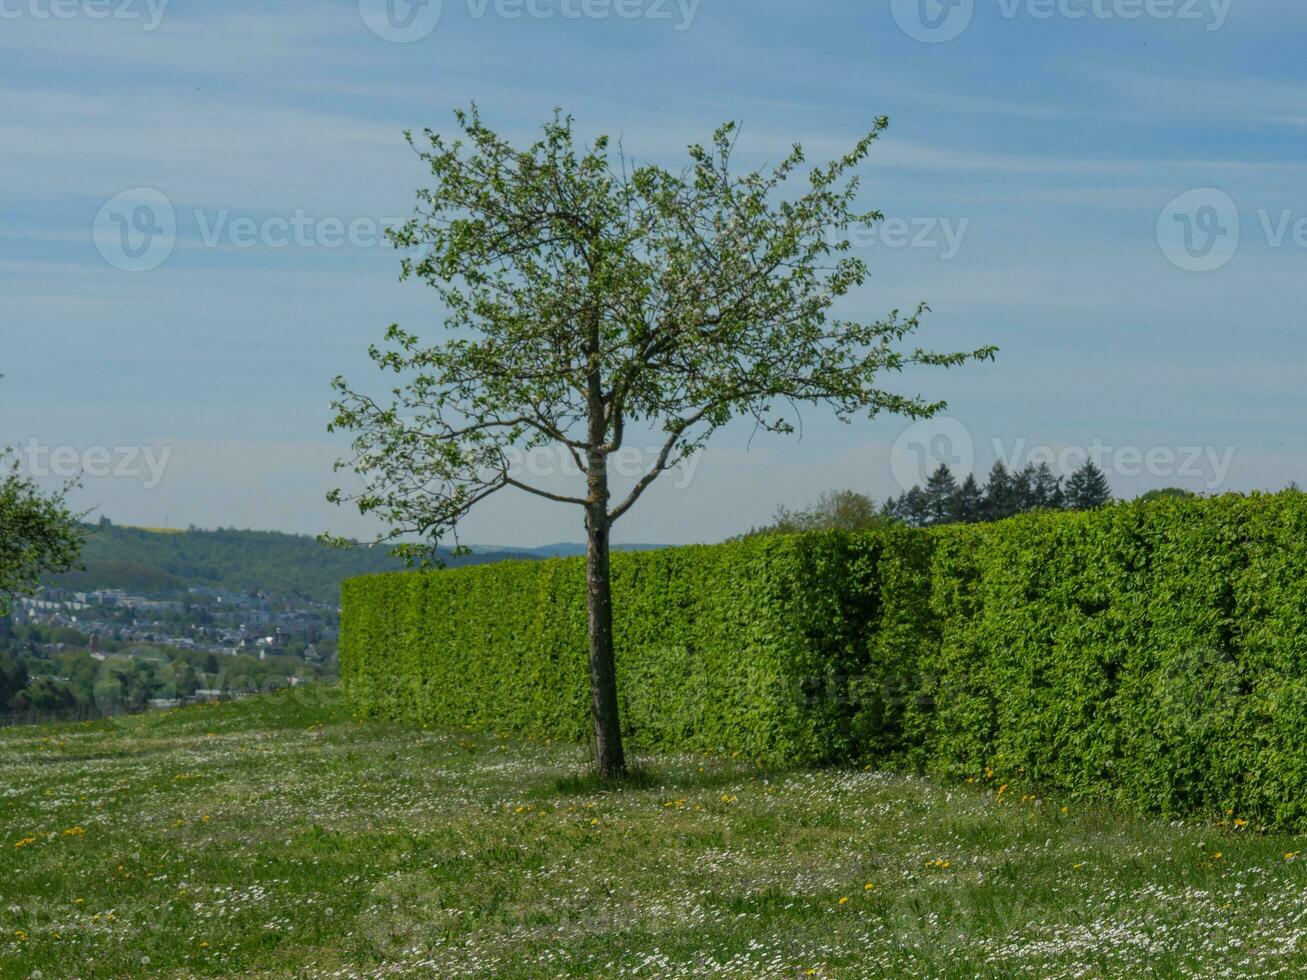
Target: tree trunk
x,y
609,756
603,666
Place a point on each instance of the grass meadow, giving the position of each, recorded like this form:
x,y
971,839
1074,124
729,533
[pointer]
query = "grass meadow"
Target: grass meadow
x,y
274,838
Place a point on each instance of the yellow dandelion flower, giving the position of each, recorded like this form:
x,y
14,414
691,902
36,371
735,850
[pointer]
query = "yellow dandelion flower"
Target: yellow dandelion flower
x,y
844,899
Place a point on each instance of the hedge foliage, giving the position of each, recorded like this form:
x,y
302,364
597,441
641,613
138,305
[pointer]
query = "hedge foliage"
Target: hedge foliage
x,y
718,646
1154,654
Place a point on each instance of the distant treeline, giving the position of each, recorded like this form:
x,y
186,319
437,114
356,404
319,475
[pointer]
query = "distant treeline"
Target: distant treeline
x,y
276,564
943,500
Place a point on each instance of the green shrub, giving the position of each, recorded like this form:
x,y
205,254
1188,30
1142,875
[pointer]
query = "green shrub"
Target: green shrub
x,y
1152,654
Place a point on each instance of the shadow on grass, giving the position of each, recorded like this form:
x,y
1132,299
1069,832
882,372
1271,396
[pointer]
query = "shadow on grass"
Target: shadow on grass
x,y
589,781
646,777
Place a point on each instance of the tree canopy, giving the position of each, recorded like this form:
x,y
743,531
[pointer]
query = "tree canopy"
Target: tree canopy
x,y
585,294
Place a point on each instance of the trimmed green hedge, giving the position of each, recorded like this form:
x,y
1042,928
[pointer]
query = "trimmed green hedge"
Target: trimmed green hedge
x,y
1151,654
718,647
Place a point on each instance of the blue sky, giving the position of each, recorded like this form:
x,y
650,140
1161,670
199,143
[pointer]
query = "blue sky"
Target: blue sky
x,y
1048,161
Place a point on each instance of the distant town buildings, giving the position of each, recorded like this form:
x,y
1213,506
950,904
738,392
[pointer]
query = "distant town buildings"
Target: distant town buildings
x,y
204,619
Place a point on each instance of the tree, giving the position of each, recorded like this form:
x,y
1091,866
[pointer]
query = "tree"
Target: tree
x,y
1087,488
46,694
915,507
968,504
1023,489
1002,496
839,510
586,295
13,677
38,534
940,489
1166,493
892,510
1045,488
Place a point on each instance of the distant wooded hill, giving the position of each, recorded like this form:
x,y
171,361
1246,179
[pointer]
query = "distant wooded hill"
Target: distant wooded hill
x,y
140,560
